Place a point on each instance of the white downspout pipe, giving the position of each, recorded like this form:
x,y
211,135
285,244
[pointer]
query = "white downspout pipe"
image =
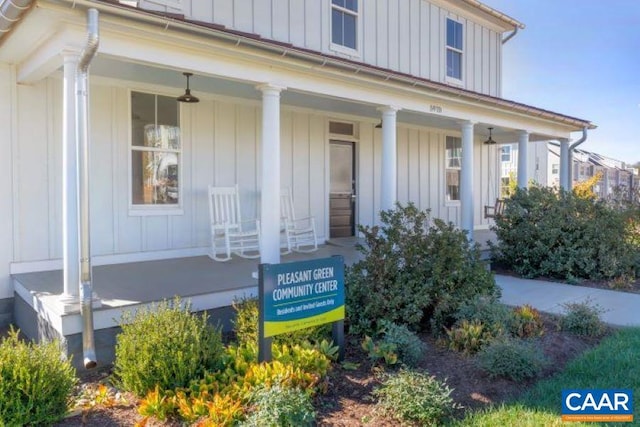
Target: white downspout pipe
x,y
569,184
82,110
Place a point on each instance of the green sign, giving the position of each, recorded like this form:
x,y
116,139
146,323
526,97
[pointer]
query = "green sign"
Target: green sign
x,y
299,295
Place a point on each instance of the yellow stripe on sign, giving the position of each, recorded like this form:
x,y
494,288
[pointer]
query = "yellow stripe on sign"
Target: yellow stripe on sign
x,y
276,328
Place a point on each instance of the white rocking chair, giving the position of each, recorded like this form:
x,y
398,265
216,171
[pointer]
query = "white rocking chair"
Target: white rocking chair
x,y
227,232
299,232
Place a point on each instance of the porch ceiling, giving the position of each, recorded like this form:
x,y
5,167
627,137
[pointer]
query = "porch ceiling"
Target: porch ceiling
x,y
208,87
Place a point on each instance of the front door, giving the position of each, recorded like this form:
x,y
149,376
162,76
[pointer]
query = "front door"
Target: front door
x,y
342,192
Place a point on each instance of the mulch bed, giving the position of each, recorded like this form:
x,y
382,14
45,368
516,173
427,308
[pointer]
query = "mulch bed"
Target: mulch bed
x,y
348,401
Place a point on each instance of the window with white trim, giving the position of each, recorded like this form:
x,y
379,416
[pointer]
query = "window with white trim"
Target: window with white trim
x,y
344,23
555,168
453,153
454,49
156,151
505,153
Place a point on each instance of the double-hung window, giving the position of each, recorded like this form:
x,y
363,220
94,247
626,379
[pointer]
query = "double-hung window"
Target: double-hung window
x,y
156,152
454,49
453,159
344,24
505,153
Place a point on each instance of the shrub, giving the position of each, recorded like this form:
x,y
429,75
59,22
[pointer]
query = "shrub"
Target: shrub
x,y
245,326
527,322
582,319
416,397
380,350
409,346
495,317
414,270
546,232
280,407
165,346
512,358
35,382
468,337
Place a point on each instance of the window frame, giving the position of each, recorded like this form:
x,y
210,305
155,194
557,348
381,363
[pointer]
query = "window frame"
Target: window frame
x,y
150,209
448,48
337,47
448,168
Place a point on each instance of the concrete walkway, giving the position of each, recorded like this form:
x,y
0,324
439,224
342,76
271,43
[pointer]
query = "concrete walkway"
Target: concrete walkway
x,y
621,308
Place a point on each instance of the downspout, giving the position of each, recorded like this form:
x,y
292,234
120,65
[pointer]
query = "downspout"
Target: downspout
x,y
569,185
510,36
10,12
82,120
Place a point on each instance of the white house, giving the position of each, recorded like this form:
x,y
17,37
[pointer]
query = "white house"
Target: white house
x,y
289,92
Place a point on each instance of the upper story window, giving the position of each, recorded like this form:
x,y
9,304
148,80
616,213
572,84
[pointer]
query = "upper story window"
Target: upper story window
x,y
453,153
555,168
454,49
505,153
156,151
344,23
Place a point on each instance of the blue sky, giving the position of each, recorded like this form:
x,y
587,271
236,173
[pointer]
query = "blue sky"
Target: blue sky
x,y
580,58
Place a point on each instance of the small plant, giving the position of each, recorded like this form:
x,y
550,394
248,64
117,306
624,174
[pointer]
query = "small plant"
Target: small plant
x,y
468,337
166,346
527,322
495,317
512,358
380,351
35,382
245,326
415,397
157,404
582,319
409,347
621,283
280,406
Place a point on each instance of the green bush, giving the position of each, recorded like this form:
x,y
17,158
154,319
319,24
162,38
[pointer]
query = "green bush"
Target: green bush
x,y
166,346
414,270
245,326
512,358
35,382
409,346
582,319
280,407
495,317
415,397
551,233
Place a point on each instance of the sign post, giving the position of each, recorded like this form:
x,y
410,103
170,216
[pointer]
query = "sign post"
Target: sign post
x,y
299,295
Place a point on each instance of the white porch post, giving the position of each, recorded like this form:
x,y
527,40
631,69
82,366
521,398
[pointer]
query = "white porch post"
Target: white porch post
x,y
270,196
70,238
564,164
389,175
523,148
466,179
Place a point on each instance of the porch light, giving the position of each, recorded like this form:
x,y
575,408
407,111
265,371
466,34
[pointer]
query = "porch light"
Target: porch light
x,y
490,140
187,97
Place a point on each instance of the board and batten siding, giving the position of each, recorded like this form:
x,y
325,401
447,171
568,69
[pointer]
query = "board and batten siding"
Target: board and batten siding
x,y
408,36
221,146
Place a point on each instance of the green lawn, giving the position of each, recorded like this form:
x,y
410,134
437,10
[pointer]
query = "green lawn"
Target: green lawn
x,y
615,363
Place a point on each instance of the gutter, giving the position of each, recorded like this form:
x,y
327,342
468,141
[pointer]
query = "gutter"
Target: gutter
x,y
11,11
572,147
510,36
82,120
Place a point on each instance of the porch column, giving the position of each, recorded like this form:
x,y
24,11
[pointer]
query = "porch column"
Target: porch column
x,y
564,165
523,148
466,179
389,174
70,237
270,188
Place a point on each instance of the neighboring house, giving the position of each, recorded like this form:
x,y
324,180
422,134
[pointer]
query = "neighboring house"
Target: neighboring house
x,y
289,91
544,168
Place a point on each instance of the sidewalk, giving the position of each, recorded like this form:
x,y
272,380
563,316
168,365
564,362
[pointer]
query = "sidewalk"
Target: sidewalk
x,y
621,308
